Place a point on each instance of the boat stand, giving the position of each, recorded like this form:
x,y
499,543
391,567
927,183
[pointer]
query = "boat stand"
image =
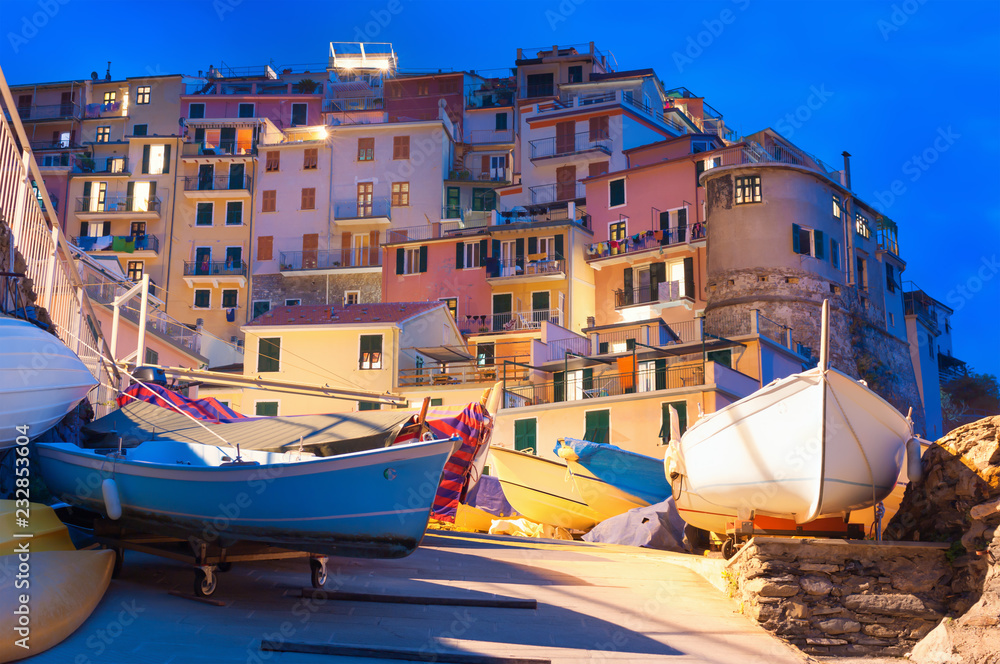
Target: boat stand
x,y
740,532
208,559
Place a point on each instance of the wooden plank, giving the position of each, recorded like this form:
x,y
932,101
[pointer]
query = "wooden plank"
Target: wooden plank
x,y
488,602
404,654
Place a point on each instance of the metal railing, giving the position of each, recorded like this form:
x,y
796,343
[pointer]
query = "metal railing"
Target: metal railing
x,y
352,209
520,267
556,192
215,268
156,321
559,347
329,259
486,136
728,323
559,145
479,174
457,373
622,340
118,243
668,291
216,183
515,321
608,384
57,144
774,330
886,239
69,111
104,165
753,153
353,104
647,240
587,99
117,203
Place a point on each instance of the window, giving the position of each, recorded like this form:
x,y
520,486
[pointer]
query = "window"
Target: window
x,y
400,194
202,298
310,159
266,409
246,110
448,87
152,357
748,189
260,307
423,89
115,165
483,199
300,113
699,146
352,297
229,298
723,357
234,258
196,111
598,426
135,270
400,147
269,354
525,436
154,159
485,353
366,149
617,230
680,407
452,304
293,302
575,74
369,405
892,320
203,217
862,226
837,209
109,97
890,278
834,253
94,194
599,128
234,213
862,272
269,201
473,255
500,122
365,199
104,134
616,192
802,240
272,161
140,129
453,198
411,260
308,198
371,351
142,94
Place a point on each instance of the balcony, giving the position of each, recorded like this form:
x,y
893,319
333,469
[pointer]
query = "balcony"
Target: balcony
x,y
375,212
461,373
609,384
215,273
70,111
516,270
517,321
490,136
233,148
218,186
55,145
93,207
104,165
105,111
666,293
557,193
559,146
498,96
343,261
353,104
479,174
141,246
886,236
648,241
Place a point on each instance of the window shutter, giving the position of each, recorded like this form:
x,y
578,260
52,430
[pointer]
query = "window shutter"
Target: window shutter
x,y
795,238
373,248
345,246
86,197
588,379
559,386
486,164
602,348
482,252
166,159
820,243
265,247
459,255
152,194
657,275
145,159
423,258
532,245
84,227
664,221
627,274
129,193
519,253
400,260
689,277
699,168
660,374
495,252
106,229
559,247
682,221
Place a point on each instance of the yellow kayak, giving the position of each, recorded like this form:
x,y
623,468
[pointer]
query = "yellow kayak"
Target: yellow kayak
x,y
47,532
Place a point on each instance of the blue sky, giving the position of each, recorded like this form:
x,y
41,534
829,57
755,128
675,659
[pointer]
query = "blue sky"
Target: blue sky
x,y
911,88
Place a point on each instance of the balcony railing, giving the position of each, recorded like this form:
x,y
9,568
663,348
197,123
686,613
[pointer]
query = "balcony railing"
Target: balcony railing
x,y
478,174
126,244
668,291
57,144
559,347
515,321
605,385
486,136
460,373
556,192
69,111
562,145
887,240
216,183
225,148
754,153
353,104
104,165
329,259
117,204
646,240
215,268
623,339
352,209
520,267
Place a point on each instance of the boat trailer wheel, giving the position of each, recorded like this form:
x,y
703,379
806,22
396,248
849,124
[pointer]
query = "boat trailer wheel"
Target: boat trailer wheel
x,y
318,568
729,548
223,567
205,581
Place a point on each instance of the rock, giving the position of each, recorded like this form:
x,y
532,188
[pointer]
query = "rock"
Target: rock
x,y
763,613
880,631
817,567
825,642
826,610
984,510
839,626
893,605
799,611
868,641
936,648
816,585
917,579
855,585
767,588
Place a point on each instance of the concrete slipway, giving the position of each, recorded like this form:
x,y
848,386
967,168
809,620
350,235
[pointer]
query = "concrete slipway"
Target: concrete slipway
x,y
596,603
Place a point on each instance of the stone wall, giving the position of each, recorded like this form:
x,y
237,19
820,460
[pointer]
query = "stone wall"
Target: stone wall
x,y
839,597
315,289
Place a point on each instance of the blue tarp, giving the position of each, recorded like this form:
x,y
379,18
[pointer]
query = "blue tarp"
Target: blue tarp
x,y
488,496
637,474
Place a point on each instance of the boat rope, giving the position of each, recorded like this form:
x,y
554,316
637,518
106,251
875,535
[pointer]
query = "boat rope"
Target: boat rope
x,y
861,447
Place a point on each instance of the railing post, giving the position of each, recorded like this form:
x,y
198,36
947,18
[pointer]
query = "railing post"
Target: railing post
x,y
50,272
140,354
755,322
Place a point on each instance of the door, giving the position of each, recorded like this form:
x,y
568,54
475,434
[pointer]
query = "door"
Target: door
x,y
564,137
206,176
66,104
310,250
454,210
64,139
508,259
203,260
360,251
365,190
647,376
539,307
502,311
565,183
236,173
498,168
227,139
643,285
234,259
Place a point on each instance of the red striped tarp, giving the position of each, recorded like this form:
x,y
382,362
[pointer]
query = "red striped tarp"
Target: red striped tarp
x,y
473,426
208,409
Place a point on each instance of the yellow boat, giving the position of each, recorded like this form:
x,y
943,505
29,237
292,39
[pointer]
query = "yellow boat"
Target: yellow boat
x,y
542,490
48,532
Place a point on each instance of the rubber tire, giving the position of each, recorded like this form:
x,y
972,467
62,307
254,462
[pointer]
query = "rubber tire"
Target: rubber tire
x,y
318,576
119,561
728,548
223,567
201,586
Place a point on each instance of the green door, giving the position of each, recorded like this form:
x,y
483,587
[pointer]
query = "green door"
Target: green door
x,y
524,436
598,426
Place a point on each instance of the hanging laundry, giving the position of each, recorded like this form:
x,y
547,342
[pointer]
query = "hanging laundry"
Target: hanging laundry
x,y
657,235
626,366
230,314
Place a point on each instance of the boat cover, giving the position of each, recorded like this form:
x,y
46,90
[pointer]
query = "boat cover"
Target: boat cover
x,y
657,526
473,426
488,496
640,475
208,409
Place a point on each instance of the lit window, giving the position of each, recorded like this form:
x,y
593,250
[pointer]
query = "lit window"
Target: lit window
x,y
142,94
400,194
366,149
862,225
135,269
837,209
748,189
109,97
103,134
157,160
371,351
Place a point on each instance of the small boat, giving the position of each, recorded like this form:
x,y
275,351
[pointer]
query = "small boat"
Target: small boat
x,y
817,443
612,480
373,503
41,380
542,490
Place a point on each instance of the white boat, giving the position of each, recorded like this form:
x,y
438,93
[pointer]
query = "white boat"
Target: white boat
x,y
41,380
541,490
814,444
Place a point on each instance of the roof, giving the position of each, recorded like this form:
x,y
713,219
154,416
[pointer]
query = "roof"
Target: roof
x,y
351,314
631,73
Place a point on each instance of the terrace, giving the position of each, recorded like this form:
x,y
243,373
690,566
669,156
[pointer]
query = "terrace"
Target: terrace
x,y
338,260
646,241
137,245
559,146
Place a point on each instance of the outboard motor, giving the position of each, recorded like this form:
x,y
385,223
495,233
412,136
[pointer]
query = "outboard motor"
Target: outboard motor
x,y
151,375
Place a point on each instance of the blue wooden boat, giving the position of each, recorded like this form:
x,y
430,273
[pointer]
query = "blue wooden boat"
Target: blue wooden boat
x,y
373,503
612,480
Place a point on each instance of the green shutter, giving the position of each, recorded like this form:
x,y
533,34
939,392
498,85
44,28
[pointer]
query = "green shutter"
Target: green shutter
x,y
588,379
689,277
682,217
519,252
400,261
145,159
268,354
482,252
795,238
661,374
559,386
166,159
559,248
820,243
423,258
532,245
86,198
525,432
602,348
84,229
459,255
616,193
266,409
598,425
681,408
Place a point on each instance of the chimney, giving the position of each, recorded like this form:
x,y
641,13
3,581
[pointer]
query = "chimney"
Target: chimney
x,y
107,76
847,168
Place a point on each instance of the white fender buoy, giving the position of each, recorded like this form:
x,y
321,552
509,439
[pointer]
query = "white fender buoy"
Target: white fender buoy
x,y
914,467
112,502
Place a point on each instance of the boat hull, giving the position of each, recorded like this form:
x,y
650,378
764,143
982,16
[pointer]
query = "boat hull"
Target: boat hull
x,y
369,504
542,490
41,380
763,452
